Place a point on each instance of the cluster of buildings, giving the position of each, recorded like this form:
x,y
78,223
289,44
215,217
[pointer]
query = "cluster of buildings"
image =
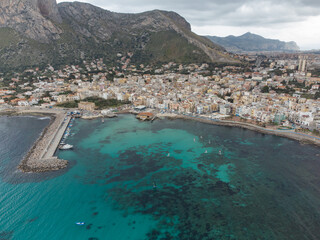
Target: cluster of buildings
x,y
277,91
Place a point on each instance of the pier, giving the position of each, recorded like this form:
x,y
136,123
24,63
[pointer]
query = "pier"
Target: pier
x,y
55,141
41,157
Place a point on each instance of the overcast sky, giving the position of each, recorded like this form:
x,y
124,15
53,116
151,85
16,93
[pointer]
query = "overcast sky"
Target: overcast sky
x,y
286,20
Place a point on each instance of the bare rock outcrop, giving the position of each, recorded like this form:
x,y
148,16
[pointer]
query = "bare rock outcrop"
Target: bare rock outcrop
x,y
49,8
31,18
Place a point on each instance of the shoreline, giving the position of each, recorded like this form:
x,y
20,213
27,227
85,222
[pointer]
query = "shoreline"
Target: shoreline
x,y
300,137
40,157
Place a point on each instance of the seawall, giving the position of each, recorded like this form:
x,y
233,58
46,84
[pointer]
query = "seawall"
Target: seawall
x,y
302,138
40,157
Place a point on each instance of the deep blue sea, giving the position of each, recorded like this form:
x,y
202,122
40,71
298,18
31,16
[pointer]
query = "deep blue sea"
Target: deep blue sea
x,y
169,179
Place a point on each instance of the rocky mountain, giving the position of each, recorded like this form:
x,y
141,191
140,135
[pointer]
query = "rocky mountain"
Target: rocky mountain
x,y
252,42
39,32
32,18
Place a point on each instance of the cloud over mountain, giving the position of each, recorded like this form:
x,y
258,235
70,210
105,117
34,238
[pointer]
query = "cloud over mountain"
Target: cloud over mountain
x,y
221,12
297,20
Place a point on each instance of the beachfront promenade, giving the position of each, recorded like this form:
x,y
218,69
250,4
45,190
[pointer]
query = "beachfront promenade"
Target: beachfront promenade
x,y
41,157
282,133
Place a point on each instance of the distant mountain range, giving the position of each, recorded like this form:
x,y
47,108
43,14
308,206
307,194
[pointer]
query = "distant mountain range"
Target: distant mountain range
x,y
40,32
253,43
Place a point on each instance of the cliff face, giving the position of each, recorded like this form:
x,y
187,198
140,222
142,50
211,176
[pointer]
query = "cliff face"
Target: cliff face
x,y
42,32
49,8
252,42
31,18
91,21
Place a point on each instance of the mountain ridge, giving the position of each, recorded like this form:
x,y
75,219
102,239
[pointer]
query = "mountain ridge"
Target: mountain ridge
x,y
44,32
252,42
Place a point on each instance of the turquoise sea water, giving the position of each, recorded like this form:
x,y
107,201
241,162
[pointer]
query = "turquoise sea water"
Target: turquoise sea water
x,y
162,180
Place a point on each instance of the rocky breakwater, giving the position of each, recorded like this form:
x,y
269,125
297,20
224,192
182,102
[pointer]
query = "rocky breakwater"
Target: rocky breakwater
x,y
40,157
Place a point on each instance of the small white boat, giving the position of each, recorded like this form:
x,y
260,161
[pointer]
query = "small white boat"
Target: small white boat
x,y
220,152
201,137
80,223
206,151
194,139
168,155
65,147
209,142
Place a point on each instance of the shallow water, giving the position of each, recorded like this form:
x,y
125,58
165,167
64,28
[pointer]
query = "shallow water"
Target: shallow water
x,y
123,185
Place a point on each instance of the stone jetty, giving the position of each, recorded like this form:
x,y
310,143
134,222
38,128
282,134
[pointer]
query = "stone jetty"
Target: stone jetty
x,y
40,157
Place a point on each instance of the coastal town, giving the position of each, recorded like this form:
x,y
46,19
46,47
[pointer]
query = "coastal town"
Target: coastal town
x,y
281,91
159,120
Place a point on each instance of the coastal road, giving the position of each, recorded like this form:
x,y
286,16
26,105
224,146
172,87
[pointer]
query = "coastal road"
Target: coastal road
x,y
283,133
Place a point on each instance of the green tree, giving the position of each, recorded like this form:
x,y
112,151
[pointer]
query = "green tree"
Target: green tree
x,y
265,89
46,94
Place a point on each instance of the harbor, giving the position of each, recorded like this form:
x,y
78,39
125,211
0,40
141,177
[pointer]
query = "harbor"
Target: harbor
x,y
62,145
40,157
